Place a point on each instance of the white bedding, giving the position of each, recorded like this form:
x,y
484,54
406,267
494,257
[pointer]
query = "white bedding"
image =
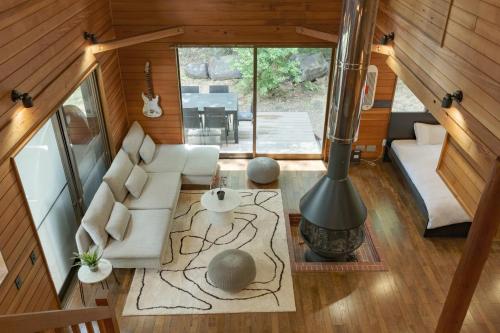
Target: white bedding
x,y
420,163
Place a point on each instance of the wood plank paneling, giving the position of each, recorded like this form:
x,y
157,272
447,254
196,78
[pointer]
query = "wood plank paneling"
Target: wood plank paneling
x,y
459,173
167,128
42,52
469,60
430,17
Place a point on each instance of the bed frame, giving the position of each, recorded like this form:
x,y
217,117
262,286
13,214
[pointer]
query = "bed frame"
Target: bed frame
x,y
400,128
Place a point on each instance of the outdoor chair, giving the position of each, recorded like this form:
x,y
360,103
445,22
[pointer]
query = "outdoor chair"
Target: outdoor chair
x,y
218,89
246,115
190,89
216,118
192,122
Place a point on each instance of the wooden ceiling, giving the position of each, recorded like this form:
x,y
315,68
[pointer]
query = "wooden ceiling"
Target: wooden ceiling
x,y
223,21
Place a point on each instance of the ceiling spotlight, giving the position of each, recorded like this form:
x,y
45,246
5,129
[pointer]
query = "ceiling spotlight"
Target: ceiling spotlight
x,y
386,38
449,98
90,37
24,97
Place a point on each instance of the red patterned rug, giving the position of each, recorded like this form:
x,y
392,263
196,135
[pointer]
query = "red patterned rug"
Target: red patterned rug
x,y
367,256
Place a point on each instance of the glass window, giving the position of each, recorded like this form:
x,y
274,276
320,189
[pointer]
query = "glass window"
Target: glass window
x,y
405,100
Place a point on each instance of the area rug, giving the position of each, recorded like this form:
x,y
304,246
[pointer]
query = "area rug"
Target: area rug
x,y
366,258
182,285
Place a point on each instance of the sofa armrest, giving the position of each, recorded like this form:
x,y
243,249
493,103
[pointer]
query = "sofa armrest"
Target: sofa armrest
x,y
83,240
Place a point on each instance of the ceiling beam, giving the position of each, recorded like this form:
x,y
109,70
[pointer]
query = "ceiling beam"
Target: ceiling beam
x,y
138,39
333,38
476,250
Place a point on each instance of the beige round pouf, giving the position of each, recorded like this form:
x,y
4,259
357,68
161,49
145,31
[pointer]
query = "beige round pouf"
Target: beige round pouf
x,y
231,270
263,170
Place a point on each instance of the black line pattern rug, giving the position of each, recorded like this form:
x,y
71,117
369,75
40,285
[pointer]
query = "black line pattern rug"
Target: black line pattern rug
x,y
182,286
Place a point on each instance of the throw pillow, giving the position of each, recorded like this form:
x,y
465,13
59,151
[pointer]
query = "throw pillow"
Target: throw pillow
x,y
133,141
97,215
147,150
117,175
136,181
118,221
428,134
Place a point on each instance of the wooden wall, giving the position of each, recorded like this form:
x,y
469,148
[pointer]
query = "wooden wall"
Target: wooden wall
x,y
168,127
206,22
468,60
375,122
459,173
42,52
113,98
17,241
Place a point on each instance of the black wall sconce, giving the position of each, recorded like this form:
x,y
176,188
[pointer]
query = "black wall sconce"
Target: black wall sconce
x,y
449,98
386,38
90,37
24,97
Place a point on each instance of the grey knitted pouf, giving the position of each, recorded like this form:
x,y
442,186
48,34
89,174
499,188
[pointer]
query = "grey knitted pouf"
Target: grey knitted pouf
x,y
231,270
263,170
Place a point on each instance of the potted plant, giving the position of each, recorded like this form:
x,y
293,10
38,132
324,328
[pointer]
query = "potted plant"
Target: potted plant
x,y
90,259
220,192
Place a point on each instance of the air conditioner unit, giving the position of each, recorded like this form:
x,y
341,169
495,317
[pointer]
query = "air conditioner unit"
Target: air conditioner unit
x,y
370,86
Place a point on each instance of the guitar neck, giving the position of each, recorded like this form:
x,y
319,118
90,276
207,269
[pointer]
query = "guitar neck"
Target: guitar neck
x,y
149,85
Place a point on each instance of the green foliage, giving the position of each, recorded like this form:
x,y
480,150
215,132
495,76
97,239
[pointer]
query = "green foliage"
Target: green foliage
x,y
90,258
274,66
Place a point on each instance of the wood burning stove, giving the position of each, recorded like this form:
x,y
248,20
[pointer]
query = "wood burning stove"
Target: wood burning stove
x,y
333,214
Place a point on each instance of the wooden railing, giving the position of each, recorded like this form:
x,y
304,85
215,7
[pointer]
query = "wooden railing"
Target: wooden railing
x,y
97,319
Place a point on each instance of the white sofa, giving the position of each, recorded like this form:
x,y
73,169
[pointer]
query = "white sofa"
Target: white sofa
x,y
145,236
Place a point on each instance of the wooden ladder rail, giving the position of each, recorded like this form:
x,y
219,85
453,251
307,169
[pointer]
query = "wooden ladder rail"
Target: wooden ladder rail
x,y
63,320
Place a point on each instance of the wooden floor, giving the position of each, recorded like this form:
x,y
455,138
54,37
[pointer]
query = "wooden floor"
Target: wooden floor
x,y
407,298
277,133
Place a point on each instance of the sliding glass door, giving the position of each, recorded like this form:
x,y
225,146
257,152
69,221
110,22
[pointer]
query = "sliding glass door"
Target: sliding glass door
x,y
217,97
50,198
274,99
60,169
292,90
85,138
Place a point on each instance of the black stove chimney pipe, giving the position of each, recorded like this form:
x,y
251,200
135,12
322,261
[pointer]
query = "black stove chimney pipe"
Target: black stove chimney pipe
x,y
332,211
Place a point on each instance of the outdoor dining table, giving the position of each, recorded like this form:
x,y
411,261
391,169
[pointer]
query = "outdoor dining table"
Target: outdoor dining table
x,y
227,100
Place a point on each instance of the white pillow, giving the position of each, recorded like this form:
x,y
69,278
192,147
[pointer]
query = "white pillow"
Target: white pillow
x,y
97,215
117,175
147,150
133,141
136,181
428,134
118,221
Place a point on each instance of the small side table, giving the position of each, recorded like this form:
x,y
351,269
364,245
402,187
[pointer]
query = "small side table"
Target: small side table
x,y
85,275
220,212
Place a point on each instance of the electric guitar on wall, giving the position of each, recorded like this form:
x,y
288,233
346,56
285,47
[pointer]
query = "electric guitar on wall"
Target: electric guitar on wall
x,y
151,107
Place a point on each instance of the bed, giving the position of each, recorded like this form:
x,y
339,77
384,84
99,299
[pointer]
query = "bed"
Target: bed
x,y
417,163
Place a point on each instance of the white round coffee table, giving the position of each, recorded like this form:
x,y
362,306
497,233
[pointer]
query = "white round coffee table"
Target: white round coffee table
x,y
85,275
220,212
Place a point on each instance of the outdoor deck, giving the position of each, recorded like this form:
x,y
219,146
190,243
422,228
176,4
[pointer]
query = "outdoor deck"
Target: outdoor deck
x,y
277,133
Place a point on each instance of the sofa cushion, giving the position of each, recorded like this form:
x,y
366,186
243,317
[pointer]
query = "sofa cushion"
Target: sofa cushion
x,y
136,181
117,175
160,192
145,236
201,161
167,158
147,150
97,215
133,141
118,221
